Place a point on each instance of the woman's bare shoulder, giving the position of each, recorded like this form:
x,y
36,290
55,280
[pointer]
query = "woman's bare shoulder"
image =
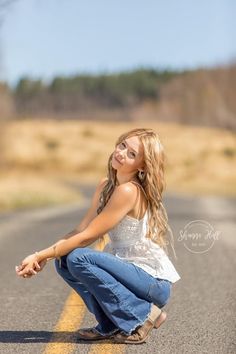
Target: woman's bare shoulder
x,y
122,200
126,190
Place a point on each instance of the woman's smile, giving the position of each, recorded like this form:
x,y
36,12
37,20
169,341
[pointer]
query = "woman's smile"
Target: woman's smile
x,y
115,158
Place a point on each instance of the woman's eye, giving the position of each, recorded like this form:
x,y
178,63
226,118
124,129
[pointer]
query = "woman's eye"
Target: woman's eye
x,y
122,145
132,154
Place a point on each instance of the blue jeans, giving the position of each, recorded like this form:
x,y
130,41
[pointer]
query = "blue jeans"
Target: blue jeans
x,y
117,292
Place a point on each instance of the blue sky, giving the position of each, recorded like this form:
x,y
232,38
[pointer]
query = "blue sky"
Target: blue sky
x,y
44,38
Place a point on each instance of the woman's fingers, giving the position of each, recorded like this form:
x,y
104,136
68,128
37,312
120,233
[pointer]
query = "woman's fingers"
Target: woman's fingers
x,y
29,274
27,270
41,265
37,266
32,271
21,272
18,268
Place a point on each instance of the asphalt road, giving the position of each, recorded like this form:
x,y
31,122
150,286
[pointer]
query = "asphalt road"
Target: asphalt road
x,y
201,311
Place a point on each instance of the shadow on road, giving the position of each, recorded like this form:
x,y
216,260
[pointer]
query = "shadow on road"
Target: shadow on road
x,y
42,337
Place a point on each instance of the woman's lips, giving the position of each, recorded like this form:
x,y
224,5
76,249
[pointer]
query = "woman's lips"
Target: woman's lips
x,y
117,160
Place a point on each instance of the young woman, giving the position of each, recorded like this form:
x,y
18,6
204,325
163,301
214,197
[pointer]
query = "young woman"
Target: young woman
x,y
127,284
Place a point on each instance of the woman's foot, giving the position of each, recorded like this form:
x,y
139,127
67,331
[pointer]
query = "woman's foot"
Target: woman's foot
x,y
161,319
91,334
140,334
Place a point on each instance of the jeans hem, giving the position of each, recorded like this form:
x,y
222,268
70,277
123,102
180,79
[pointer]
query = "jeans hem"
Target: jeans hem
x,y
139,324
108,333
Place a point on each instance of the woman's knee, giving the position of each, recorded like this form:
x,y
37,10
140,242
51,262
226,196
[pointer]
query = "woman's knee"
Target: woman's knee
x,y
76,257
166,296
159,293
163,303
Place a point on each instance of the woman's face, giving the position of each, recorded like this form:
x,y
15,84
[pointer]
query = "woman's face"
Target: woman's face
x,y
128,156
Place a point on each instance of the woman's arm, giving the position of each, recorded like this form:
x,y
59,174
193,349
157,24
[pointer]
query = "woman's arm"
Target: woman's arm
x,y
121,202
89,216
91,213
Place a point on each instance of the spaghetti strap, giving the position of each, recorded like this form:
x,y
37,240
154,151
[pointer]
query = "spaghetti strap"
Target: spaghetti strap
x,y
141,188
139,185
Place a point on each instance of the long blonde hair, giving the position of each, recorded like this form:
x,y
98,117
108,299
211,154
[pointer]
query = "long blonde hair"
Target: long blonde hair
x,y
153,182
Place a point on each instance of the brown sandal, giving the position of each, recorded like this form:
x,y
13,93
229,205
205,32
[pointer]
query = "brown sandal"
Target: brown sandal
x,y
140,334
91,334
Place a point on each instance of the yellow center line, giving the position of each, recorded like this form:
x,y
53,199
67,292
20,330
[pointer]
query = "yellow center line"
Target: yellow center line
x,y
64,337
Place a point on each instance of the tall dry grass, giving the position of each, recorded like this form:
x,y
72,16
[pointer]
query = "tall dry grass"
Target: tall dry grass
x,y
42,161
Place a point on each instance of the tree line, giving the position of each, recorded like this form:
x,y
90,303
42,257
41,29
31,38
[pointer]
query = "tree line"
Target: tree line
x,y
86,92
198,97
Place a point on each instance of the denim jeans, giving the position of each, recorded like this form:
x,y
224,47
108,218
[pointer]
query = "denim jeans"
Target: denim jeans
x,y
117,292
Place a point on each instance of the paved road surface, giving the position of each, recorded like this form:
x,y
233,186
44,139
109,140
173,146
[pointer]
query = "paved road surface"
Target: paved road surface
x,y
201,312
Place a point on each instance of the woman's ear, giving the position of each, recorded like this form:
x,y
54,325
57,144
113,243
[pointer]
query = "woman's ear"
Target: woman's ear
x,y
141,175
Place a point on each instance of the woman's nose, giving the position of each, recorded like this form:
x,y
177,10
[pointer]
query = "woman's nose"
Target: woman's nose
x,y
121,154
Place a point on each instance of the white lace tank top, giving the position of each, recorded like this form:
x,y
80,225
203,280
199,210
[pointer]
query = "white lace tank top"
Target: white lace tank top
x,y
128,242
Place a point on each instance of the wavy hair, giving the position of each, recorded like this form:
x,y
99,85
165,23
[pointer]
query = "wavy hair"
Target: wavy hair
x,y
153,182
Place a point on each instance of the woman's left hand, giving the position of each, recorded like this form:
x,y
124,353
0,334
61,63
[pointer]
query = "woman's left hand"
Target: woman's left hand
x,y
29,266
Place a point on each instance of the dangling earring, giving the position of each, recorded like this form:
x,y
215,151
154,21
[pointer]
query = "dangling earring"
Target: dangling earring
x,y
141,175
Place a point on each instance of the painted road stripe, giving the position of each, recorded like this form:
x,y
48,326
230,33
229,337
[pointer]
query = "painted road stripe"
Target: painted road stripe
x,y
70,320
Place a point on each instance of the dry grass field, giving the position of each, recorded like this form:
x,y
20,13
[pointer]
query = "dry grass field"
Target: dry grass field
x,y
41,160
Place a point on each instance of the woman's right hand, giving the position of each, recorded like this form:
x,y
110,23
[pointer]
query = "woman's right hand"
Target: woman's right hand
x,y
29,275
42,265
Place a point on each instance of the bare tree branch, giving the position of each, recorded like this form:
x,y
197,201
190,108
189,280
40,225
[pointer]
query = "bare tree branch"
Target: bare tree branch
x,y
5,3
4,7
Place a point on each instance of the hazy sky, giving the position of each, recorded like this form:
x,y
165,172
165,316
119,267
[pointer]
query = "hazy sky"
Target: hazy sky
x,y
44,38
